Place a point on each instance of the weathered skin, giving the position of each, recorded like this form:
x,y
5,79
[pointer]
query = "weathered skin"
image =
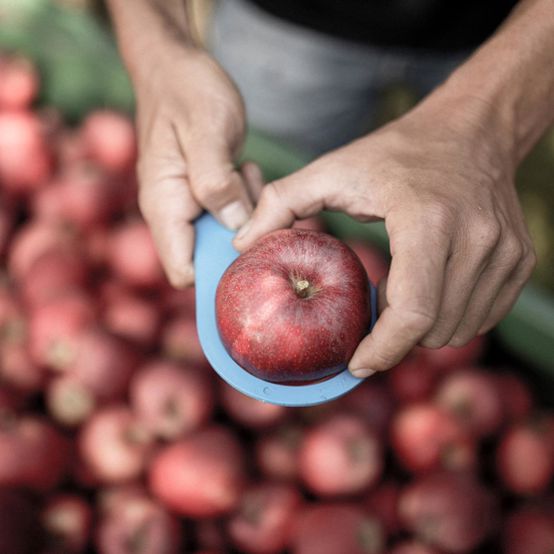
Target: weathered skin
x,y
294,307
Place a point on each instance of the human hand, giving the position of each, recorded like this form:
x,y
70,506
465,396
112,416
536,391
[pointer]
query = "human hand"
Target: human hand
x,y
442,178
191,122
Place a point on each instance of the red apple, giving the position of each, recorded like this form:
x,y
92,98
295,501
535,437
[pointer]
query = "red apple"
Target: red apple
x,y
13,324
112,498
19,83
450,511
277,452
529,530
103,363
132,255
372,259
180,341
51,274
34,239
201,475
524,459
82,196
18,371
69,402
25,160
383,504
473,398
66,520
172,399
294,307
372,401
55,326
139,525
450,357
424,437
33,454
20,529
249,412
340,456
412,547
114,445
332,528
516,397
265,519
133,318
413,380
109,138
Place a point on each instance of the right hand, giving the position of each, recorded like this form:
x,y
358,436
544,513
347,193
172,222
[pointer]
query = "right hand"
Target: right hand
x,y
191,124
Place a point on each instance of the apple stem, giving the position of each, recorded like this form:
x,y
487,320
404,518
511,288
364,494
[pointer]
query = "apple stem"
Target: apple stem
x,y
302,288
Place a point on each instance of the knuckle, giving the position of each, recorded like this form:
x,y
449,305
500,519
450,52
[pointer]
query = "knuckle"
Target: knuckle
x,y
439,215
417,321
486,233
512,251
270,194
434,341
209,189
459,340
529,263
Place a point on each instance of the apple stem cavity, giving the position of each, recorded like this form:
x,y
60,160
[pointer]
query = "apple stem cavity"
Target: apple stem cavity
x,y
303,288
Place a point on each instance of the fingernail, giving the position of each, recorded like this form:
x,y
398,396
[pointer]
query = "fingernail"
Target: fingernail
x,y
244,230
362,373
234,215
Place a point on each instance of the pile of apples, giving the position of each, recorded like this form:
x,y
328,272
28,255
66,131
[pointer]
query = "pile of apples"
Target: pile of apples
x,y
117,437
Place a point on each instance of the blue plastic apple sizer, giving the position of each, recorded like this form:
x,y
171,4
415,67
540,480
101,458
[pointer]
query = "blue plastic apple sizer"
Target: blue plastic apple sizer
x,y
214,253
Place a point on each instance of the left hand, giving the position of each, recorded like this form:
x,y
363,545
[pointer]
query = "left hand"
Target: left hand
x,y
442,178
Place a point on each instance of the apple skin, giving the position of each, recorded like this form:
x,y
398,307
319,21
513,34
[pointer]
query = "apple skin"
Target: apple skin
x,y
473,398
453,512
329,528
139,525
425,437
524,461
66,520
201,475
265,520
529,530
340,456
294,307
277,452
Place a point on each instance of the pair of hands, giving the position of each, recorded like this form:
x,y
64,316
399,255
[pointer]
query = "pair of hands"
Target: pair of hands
x,y
441,177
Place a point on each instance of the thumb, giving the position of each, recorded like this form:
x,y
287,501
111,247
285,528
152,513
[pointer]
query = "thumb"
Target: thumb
x,y
215,183
297,196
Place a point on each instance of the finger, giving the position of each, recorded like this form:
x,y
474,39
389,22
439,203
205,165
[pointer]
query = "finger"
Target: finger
x,y
493,279
471,255
297,196
413,293
253,179
215,183
168,206
510,291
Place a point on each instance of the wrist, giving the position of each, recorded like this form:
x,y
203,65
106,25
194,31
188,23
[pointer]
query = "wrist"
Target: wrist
x,y
509,81
148,32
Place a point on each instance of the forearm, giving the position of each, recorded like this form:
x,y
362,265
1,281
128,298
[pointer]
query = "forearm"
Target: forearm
x,y
143,27
510,78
